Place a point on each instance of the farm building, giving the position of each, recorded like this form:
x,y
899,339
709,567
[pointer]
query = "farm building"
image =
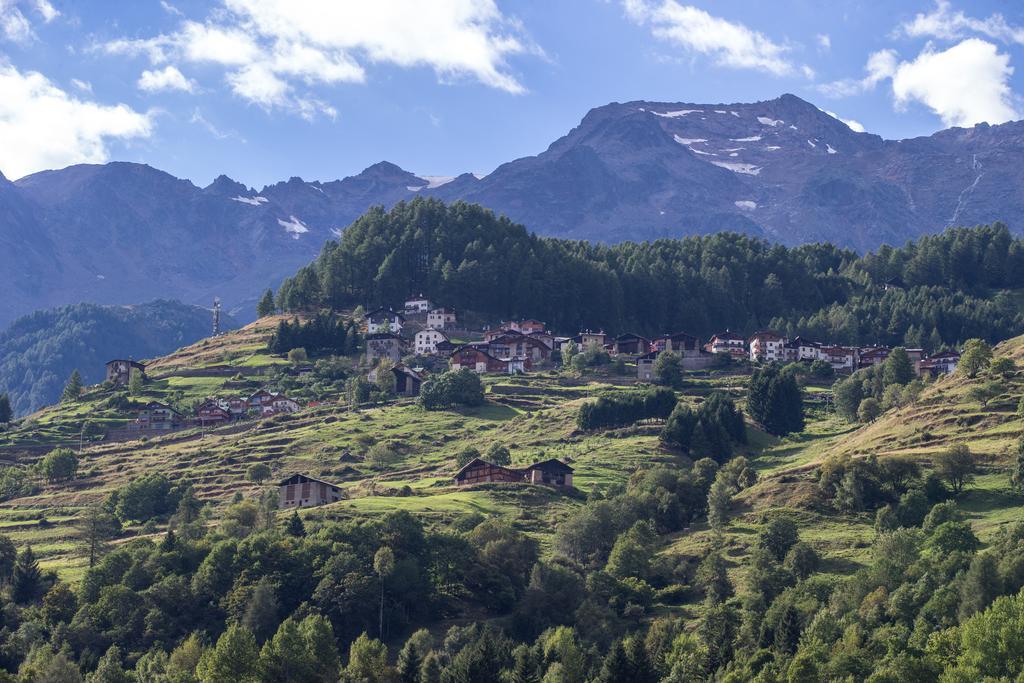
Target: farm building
x,y
300,491
551,472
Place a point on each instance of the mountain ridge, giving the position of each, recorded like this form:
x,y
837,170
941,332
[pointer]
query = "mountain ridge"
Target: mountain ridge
x,y
779,169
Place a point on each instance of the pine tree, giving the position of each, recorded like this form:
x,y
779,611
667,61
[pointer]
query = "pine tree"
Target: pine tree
x,y
6,413
135,383
430,670
96,528
641,669
409,663
719,502
234,659
27,579
616,667
787,632
897,368
73,388
523,670
295,526
266,305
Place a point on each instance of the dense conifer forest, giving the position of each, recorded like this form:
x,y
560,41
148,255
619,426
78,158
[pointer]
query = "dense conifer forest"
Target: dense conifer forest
x,y
939,290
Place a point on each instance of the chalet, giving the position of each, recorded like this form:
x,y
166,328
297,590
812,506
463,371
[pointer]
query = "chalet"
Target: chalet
x,y
120,371
943,363
800,349
550,472
546,337
916,358
426,341
682,343
841,358
766,345
384,320
729,343
384,345
480,361
589,338
157,416
407,381
300,491
236,405
210,413
645,366
259,398
478,471
440,318
630,344
518,345
281,404
528,326
873,355
418,304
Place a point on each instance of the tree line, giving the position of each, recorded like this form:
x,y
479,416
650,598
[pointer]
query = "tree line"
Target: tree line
x,y
933,292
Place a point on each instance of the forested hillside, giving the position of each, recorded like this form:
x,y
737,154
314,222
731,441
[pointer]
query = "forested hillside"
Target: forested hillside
x,y
941,289
39,351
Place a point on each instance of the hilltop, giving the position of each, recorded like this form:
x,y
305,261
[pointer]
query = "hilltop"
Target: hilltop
x,y
780,169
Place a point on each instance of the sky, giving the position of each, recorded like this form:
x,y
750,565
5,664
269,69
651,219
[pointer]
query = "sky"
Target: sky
x,y
263,90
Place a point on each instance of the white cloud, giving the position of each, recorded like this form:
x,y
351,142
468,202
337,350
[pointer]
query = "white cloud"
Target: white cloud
x,y
946,24
270,48
15,25
42,126
730,44
171,9
84,86
852,124
880,65
964,85
46,10
824,41
168,78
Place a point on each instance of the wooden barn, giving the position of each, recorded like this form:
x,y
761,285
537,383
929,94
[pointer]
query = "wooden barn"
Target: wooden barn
x,y
552,472
478,471
300,491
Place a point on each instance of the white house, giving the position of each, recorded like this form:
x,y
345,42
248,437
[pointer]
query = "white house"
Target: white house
x,y
440,318
426,341
384,320
767,346
417,304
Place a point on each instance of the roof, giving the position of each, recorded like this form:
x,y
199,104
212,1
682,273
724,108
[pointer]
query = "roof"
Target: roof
x,y
475,462
297,479
728,335
432,330
553,463
676,335
133,363
379,336
407,371
630,335
389,312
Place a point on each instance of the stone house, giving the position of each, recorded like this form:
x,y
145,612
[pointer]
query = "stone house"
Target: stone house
x,y
384,345
119,371
300,491
425,341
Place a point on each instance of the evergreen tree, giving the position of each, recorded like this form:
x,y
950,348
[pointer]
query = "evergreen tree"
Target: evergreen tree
x,y
641,669
430,670
95,530
775,401
787,632
668,369
27,578
135,383
897,368
981,585
73,388
409,663
266,305
616,667
295,526
110,669
523,669
713,577
6,413
261,611
719,502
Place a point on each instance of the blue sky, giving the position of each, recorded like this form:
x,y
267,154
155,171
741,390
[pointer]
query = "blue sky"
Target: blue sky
x,y
267,89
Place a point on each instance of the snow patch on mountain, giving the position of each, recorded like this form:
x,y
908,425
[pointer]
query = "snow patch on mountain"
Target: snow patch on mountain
x,y
811,143
747,169
252,201
687,141
745,204
293,226
676,114
766,121
830,149
752,138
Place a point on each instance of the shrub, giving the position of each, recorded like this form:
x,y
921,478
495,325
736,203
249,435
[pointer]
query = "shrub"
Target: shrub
x,y
452,388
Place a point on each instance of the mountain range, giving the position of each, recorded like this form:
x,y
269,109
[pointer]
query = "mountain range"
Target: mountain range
x,y
782,169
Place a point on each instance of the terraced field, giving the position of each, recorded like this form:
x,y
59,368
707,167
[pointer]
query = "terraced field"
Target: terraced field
x,y
533,415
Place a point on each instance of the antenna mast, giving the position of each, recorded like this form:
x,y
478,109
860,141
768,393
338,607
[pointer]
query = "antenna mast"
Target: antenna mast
x,y
216,316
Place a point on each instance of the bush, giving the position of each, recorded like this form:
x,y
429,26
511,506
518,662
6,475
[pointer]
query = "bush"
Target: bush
x,y
452,388
143,499
60,464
